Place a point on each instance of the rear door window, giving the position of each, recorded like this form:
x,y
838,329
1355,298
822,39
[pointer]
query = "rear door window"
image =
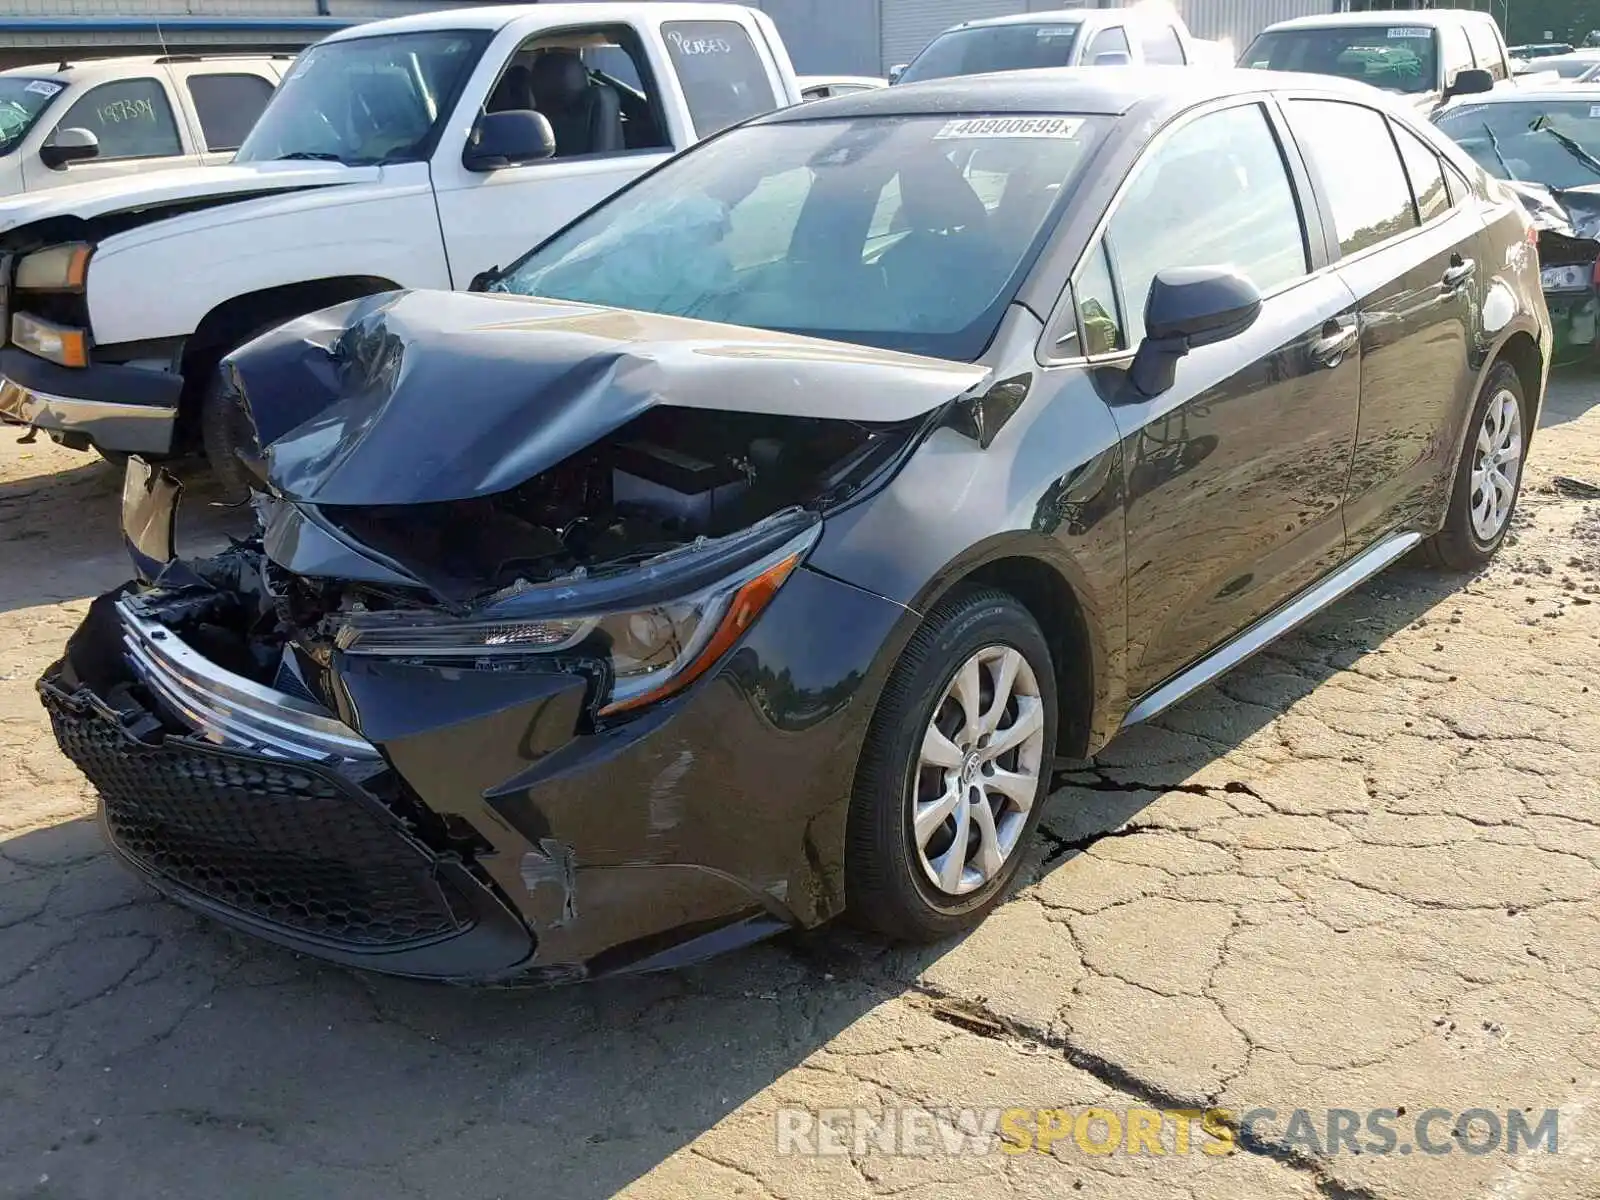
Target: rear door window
x,y
1425,173
227,106
132,118
724,77
1161,44
1355,159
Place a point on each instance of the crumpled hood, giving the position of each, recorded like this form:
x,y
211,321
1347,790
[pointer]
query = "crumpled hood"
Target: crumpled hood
x,y
1568,220
421,397
157,189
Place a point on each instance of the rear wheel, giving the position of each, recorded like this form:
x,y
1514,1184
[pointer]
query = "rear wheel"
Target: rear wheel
x,y
955,770
1488,478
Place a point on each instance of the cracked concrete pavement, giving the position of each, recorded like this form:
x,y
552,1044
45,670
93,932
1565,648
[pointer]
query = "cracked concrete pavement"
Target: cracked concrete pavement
x,y
1362,872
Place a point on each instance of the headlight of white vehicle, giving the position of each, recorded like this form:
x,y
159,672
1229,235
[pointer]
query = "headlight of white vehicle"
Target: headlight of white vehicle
x,y
57,268
649,652
59,343
1565,279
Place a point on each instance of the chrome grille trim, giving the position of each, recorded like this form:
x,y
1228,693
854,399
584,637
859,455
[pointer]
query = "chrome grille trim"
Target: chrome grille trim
x,y
229,709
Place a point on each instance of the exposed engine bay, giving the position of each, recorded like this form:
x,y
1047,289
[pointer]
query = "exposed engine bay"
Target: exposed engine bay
x,y
666,478
663,486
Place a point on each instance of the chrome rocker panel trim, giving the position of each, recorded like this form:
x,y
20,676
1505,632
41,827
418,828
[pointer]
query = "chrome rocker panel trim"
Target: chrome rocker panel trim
x,y
1273,626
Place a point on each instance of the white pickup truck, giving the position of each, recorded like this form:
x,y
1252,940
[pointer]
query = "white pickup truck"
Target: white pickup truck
x,y
417,152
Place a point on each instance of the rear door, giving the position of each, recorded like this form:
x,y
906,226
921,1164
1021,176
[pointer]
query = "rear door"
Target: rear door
x,y
223,101
1409,257
1233,477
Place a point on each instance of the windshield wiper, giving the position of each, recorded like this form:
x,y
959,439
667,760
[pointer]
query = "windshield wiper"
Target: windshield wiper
x,y
1494,144
310,155
1541,125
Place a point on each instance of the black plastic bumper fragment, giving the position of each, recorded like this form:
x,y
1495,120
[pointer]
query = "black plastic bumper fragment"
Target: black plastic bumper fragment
x,y
291,851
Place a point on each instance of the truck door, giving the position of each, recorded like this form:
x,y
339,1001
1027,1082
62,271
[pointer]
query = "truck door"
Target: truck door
x,y
600,88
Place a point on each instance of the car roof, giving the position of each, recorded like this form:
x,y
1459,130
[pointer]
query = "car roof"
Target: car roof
x,y
1430,18
875,81
1054,16
1085,91
1542,94
65,70
496,17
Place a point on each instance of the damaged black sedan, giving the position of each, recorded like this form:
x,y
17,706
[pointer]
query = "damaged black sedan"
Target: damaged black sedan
x,y
1545,144
752,551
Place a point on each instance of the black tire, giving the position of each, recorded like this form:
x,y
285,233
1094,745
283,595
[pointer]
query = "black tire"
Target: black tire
x,y
886,887
225,428
117,458
1458,546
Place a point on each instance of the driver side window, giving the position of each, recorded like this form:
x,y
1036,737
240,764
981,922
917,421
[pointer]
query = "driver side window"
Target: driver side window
x,y
593,85
1217,194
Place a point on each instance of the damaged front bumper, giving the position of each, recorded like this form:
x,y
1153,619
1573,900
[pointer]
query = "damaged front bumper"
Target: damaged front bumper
x,y
447,821
118,408
311,855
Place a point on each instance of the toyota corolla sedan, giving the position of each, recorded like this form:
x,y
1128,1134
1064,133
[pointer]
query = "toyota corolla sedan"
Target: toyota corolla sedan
x,y
750,552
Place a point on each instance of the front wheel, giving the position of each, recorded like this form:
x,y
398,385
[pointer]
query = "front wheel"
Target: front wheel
x,y
1488,478
955,770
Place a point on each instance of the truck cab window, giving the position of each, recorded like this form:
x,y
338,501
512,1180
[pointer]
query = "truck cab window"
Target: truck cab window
x,y
724,78
594,86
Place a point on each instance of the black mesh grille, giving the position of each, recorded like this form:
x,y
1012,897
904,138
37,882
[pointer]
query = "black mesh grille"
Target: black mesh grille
x,y
277,842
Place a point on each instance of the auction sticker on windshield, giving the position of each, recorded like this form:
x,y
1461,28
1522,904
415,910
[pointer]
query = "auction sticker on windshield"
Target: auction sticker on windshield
x,y
1011,127
1410,32
43,87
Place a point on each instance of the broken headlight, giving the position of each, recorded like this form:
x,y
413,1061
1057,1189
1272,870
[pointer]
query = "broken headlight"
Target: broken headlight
x,y
649,652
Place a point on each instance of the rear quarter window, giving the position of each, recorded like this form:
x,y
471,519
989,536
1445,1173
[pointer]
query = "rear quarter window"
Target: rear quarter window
x,y
228,106
723,76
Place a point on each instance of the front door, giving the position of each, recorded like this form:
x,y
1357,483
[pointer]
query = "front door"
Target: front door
x,y
597,88
136,125
1234,476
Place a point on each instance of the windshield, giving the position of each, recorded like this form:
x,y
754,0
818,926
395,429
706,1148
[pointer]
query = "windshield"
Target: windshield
x,y
845,229
366,100
994,48
1553,143
1398,58
21,102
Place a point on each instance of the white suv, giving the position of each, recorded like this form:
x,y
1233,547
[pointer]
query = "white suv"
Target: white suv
x,y
99,119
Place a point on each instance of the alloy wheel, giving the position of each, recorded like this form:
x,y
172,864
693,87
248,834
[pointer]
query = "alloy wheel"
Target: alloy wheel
x,y
1496,466
979,770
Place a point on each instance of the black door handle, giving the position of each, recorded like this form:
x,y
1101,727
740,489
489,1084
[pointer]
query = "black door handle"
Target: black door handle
x,y
1460,271
1338,339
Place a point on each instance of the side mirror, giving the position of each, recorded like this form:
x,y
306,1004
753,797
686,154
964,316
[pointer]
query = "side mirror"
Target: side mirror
x,y
70,145
508,139
896,71
1111,58
1189,307
1472,81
